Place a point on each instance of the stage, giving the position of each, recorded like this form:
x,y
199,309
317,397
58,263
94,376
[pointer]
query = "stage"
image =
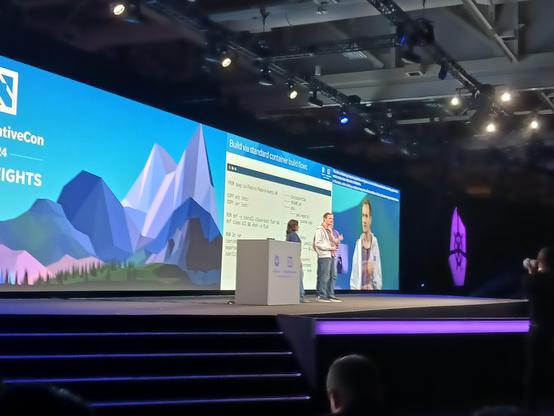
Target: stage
x,y
169,355
358,305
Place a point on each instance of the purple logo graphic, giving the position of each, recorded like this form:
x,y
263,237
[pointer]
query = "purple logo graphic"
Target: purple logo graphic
x,y
276,261
289,261
457,258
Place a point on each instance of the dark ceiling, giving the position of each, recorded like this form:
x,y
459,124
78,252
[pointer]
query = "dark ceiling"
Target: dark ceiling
x,y
402,126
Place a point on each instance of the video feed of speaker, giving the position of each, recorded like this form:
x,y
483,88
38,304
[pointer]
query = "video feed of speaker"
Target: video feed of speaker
x,y
100,192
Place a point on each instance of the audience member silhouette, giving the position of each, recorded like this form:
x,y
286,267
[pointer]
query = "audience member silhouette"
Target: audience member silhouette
x,y
540,349
354,387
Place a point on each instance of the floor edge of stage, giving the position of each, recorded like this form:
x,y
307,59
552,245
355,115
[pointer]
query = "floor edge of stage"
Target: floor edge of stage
x,y
352,306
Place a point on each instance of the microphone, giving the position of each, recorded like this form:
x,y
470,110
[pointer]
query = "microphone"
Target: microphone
x,y
529,263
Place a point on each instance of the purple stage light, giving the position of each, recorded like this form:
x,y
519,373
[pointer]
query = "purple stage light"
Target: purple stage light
x,y
457,259
148,378
407,327
146,355
200,401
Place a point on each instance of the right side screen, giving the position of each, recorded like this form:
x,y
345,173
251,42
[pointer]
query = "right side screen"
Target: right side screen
x,y
367,214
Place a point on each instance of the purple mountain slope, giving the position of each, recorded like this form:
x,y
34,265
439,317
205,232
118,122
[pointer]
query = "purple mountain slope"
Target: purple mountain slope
x,y
190,180
68,263
45,232
93,209
19,267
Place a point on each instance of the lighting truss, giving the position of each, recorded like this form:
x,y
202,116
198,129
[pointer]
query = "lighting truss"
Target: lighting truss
x,y
397,16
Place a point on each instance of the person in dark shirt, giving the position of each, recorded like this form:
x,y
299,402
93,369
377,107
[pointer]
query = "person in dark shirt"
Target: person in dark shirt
x,y
540,348
292,235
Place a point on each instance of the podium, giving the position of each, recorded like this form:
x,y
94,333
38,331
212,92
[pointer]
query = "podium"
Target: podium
x,y
268,272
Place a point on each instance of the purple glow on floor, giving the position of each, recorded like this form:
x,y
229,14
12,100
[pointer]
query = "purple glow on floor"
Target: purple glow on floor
x,y
406,327
138,334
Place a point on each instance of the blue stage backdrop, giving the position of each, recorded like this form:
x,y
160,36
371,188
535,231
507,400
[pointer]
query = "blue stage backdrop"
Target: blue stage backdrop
x,y
103,193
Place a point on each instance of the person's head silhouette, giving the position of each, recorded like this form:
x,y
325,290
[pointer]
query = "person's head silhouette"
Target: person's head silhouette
x,y
353,385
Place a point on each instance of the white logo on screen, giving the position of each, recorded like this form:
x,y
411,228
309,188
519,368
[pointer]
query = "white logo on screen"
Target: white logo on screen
x,y
9,81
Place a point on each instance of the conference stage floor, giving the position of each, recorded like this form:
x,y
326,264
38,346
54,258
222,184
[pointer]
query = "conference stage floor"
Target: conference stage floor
x,y
358,305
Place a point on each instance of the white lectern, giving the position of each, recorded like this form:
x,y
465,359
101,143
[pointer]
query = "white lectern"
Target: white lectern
x,y
268,272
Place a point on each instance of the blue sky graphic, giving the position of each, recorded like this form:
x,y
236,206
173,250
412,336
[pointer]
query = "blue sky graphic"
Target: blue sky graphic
x,y
89,129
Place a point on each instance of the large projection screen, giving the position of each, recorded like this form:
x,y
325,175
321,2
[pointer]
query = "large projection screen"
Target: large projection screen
x,y
99,192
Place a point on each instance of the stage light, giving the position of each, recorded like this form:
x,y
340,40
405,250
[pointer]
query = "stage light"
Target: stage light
x,y
126,10
265,78
218,54
118,9
292,91
491,127
343,117
410,35
225,60
506,97
455,101
534,124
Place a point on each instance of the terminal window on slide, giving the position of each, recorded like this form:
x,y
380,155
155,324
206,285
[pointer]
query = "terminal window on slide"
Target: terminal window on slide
x,y
260,198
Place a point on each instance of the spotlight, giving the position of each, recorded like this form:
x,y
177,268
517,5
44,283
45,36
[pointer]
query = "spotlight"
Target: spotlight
x,y
491,127
292,92
118,9
225,59
534,124
126,10
218,54
265,78
419,33
343,117
455,101
506,97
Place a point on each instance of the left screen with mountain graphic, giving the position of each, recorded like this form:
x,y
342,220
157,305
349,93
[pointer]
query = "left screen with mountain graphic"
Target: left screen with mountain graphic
x,y
103,193
99,192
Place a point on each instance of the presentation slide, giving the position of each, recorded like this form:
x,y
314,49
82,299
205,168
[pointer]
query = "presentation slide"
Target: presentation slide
x,y
265,188
100,192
